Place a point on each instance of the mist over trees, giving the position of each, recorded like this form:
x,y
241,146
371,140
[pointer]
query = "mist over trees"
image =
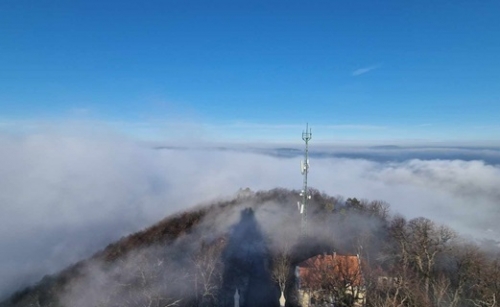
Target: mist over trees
x,y
252,242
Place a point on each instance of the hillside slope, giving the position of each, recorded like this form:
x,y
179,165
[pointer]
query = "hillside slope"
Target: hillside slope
x,y
200,257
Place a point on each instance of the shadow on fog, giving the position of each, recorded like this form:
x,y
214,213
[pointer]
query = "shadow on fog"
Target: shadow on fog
x,y
247,266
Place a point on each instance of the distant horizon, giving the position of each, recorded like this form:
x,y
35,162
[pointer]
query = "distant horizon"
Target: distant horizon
x,y
165,133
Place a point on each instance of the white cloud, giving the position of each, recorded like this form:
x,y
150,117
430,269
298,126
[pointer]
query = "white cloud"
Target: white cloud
x,y
63,196
364,70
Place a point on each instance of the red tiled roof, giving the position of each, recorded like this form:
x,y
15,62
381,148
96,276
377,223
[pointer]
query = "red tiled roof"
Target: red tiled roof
x,y
330,268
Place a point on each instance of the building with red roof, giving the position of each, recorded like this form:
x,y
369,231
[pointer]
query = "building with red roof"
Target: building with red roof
x,y
330,279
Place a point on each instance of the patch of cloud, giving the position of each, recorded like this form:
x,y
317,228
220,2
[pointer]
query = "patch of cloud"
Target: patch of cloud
x,y
64,196
364,70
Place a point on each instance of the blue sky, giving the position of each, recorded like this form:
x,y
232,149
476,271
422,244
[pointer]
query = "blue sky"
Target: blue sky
x,y
383,71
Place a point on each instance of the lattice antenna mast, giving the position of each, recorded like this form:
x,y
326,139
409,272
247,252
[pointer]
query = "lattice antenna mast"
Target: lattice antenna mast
x,y
304,168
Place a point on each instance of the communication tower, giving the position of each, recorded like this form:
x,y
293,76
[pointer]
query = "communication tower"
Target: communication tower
x,y
304,169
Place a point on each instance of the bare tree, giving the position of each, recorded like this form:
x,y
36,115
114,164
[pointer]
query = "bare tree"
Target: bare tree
x,y
412,257
347,281
441,291
389,292
379,209
334,279
145,279
427,241
208,272
281,268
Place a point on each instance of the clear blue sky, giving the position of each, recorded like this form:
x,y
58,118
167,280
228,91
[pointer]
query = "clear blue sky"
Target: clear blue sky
x,y
256,69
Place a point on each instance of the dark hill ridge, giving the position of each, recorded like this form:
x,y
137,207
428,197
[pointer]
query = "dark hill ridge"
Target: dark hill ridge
x,y
163,232
175,234
200,257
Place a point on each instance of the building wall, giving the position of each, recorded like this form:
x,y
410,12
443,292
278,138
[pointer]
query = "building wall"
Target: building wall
x,y
309,298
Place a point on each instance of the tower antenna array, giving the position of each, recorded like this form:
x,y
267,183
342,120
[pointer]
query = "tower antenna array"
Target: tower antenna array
x,y
304,169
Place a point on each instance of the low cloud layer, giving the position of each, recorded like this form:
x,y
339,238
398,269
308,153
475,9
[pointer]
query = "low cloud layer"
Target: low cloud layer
x,y
64,196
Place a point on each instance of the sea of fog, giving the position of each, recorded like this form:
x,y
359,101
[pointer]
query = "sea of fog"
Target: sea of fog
x,y
63,197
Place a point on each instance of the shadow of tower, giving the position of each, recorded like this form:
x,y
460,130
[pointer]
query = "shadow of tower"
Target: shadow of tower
x,y
246,259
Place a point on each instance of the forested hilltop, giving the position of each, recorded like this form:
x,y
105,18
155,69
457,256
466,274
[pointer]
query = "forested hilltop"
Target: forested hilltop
x,y
199,258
